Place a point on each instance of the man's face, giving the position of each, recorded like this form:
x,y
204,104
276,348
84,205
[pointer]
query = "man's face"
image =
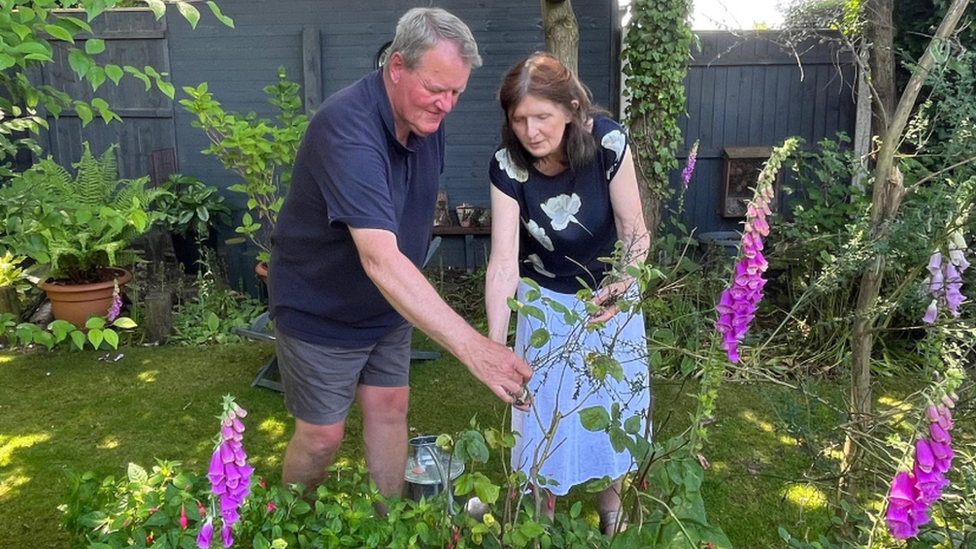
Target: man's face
x,y
422,97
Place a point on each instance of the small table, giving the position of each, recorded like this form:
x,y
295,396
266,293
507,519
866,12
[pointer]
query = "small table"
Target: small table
x,y
468,233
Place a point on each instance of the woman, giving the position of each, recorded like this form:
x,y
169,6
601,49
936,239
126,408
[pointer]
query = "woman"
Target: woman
x,y
564,191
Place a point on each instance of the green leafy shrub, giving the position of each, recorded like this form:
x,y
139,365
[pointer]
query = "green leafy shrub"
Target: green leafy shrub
x,y
99,333
192,207
261,152
78,225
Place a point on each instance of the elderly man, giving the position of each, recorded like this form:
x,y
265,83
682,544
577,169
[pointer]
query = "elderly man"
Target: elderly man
x,y
344,280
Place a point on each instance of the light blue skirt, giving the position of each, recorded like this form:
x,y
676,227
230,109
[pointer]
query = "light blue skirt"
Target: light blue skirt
x,y
561,382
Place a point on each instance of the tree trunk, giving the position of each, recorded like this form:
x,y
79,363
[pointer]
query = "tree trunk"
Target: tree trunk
x,y
10,302
886,199
562,32
159,316
880,34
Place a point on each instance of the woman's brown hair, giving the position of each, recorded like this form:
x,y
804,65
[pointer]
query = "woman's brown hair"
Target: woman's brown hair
x,y
543,76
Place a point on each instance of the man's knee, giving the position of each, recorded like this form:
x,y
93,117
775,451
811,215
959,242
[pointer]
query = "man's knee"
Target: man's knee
x,y
319,440
384,404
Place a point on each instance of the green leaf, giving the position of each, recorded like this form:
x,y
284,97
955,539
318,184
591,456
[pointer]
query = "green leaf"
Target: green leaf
x,y
137,474
168,89
44,338
84,113
534,312
6,61
213,322
95,322
80,62
23,31
111,337
114,72
78,338
539,338
59,32
94,46
95,76
531,529
633,425
61,328
220,16
158,7
595,418
189,13
124,322
95,337
138,74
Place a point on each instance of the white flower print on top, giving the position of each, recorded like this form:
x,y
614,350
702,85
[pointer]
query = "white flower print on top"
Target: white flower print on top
x,y
539,234
506,163
538,266
562,210
616,142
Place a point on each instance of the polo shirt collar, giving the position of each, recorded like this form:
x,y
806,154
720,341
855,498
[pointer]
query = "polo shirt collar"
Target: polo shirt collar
x,y
377,88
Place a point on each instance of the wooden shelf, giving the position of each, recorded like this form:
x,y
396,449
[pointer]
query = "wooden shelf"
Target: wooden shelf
x,y
458,230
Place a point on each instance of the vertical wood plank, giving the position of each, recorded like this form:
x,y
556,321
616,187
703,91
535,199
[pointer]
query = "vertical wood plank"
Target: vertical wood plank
x,y
312,67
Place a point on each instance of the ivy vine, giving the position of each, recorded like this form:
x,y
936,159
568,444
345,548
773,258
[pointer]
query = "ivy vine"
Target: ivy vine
x,y
656,52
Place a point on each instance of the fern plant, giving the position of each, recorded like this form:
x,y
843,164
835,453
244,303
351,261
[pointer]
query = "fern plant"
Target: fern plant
x,y
78,225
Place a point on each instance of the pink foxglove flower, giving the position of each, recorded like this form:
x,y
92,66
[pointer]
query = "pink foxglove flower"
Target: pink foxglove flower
x,y
229,473
912,494
116,308
946,278
690,165
205,535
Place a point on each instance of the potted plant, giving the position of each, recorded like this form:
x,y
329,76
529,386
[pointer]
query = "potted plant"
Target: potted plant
x,y
80,226
191,210
262,152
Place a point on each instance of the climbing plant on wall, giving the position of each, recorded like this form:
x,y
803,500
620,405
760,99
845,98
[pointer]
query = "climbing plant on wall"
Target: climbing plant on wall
x,y
656,52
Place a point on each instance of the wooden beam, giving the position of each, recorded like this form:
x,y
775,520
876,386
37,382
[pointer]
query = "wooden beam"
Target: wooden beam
x,y
312,67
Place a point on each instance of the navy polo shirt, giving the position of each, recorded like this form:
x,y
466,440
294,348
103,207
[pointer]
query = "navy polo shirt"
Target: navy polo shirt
x,y
350,172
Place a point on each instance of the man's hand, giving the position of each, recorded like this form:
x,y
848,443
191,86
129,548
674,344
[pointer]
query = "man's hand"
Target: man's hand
x,y
502,371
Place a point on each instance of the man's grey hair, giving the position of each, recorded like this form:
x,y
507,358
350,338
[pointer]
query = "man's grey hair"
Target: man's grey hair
x,y
420,29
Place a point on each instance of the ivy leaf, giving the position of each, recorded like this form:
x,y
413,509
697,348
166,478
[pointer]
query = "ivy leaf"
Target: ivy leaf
x,y
220,16
94,46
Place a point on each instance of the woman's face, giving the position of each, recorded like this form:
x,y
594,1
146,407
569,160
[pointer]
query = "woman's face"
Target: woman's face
x,y
540,125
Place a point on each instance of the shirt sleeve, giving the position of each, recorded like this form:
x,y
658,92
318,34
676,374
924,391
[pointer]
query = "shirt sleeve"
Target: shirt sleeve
x,y
351,172
498,176
614,142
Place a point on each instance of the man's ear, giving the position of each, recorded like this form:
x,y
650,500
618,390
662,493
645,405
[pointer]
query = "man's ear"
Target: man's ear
x,y
396,65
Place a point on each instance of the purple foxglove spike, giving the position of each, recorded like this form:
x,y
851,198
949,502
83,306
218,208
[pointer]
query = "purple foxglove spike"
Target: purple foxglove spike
x,y
226,432
227,536
935,263
232,482
940,450
725,303
765,208
902,530
241,412
226,452
734,355
948,402
761,226
923,455
931,312
219,488
951,273
902,490
206,534
943,465
230,515
954,297
752,211
216,470
937,283
238,426
958,258
939,434
933,414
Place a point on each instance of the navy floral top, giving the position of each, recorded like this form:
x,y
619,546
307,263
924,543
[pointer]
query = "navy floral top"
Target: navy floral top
x,y
567,219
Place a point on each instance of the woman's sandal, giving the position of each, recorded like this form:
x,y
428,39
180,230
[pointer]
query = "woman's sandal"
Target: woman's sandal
x,y
609,523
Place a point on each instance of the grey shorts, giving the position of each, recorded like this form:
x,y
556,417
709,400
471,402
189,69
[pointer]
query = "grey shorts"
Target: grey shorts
x,y
320,381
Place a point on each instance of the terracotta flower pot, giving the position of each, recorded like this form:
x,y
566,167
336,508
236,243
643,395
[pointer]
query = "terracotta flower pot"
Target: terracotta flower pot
x,y
76,302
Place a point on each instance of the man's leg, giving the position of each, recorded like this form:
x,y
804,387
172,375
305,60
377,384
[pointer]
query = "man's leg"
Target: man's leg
x,y
385,435
383,394
310,451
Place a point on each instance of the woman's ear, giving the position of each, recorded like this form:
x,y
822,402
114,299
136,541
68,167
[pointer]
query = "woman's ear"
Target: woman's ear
x,y
575,104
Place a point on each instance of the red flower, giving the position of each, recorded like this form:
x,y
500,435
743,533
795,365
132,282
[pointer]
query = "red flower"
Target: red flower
x,y
183,523
271,507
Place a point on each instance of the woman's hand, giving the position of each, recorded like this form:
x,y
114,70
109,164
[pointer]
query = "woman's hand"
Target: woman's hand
x,y
606,299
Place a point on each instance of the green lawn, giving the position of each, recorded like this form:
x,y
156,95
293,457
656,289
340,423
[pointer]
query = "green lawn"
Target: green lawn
x,y
68,409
